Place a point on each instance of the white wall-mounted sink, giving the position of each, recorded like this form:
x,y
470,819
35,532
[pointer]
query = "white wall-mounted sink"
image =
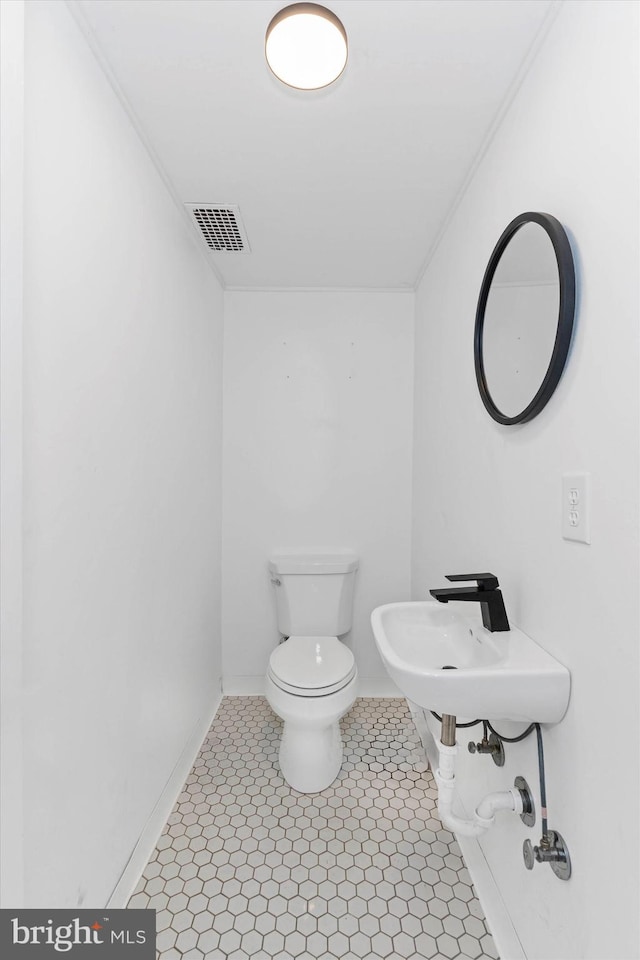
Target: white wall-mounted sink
x,y
499,676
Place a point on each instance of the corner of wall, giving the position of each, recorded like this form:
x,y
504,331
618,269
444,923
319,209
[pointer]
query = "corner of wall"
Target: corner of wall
x,y
77,13
11,323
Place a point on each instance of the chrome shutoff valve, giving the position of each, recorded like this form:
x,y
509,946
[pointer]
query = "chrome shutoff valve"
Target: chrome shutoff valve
x,y
552,850
492,747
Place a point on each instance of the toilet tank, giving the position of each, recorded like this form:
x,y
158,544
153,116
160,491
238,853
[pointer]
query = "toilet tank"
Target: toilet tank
x,y
314,593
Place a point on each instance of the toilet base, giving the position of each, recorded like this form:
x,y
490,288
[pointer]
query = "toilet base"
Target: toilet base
x,y
310,760
311,747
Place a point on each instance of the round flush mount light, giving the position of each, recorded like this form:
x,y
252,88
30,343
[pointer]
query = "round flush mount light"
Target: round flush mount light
x,y
306,46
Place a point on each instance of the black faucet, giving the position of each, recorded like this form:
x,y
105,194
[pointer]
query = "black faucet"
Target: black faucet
x,y
486,593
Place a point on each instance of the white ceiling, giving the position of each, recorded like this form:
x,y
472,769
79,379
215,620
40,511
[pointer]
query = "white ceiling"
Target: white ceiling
x,y
343,187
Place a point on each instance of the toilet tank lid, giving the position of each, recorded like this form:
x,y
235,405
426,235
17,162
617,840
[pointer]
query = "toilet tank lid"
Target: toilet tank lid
x,y
313,563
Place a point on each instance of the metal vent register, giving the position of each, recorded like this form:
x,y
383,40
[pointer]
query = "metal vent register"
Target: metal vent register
x,y
221,226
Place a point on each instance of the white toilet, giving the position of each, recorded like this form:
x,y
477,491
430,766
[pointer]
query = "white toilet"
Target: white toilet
x,y
312,678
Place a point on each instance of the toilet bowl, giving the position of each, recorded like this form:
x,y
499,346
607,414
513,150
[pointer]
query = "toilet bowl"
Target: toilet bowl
x,y
312,677
311,683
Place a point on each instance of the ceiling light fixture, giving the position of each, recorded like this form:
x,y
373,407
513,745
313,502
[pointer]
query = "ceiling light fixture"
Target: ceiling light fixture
x,y
306,46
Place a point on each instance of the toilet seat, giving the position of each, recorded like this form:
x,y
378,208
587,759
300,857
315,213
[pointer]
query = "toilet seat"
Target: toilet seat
x,y
312,666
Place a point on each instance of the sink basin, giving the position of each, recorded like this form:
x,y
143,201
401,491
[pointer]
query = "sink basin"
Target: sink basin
x,y
498,676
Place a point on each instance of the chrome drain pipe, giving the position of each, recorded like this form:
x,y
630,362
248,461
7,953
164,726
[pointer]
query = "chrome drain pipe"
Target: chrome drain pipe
x,y
448,732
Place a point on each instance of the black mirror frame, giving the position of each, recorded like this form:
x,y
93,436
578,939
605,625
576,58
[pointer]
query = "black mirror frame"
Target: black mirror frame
x,y
566,313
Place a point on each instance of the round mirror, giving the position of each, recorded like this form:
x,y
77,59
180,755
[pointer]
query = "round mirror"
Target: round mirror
x,y
524,318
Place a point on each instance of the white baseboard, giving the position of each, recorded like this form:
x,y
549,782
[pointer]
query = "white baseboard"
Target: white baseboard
x,y
159,815
243,686
254,687
504,935
382,687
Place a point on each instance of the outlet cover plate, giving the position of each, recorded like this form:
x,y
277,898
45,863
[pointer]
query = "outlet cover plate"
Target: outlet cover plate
x,y
576,507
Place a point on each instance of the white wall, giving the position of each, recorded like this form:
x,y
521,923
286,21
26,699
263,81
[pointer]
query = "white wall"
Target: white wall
x,y
122,426
11,308
317,456
488,496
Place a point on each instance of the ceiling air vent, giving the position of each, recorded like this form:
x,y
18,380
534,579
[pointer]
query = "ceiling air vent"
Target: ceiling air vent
x,y
221,226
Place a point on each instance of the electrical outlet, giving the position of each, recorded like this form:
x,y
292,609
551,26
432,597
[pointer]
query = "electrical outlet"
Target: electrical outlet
x,y
576,520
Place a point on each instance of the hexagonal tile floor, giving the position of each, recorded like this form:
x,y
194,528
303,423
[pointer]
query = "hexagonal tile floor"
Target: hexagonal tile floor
x,y
248,868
